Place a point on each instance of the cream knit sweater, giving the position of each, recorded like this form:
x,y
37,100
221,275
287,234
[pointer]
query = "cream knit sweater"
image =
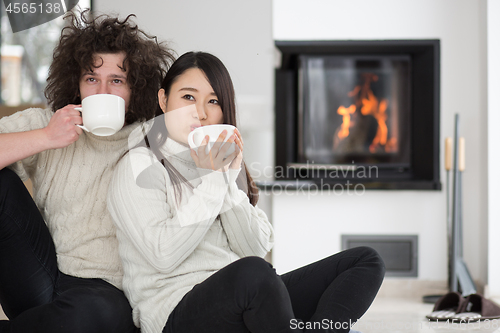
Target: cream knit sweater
x,y
167,247
70,187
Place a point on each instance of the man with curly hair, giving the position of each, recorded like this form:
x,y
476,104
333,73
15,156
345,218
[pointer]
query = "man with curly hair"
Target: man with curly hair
x,y
59,265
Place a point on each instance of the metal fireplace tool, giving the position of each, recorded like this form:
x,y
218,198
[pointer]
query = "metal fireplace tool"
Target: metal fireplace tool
x,y
459,278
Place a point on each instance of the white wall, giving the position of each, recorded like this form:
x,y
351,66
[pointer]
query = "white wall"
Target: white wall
x,y
493,150
310,227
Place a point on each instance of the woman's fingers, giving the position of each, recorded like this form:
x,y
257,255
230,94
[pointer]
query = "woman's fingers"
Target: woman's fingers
x,y
216,158
201,149
194,156
236,161
225,146
239,139
219,141
239,142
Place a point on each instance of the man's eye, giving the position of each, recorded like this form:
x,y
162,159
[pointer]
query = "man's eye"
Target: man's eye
x,y
117,81
91,79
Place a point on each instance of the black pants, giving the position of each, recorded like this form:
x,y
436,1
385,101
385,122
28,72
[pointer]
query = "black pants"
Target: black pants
x,y
248,296
34,294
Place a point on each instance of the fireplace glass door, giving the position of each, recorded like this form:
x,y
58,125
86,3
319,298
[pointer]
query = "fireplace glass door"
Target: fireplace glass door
x,y
354,110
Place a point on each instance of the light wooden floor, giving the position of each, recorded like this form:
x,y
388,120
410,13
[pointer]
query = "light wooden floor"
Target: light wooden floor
x,y
389,314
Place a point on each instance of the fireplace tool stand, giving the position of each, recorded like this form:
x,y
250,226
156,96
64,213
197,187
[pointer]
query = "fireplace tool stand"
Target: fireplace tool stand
x,y
459,278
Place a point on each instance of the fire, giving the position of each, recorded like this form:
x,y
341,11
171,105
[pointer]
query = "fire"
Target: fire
x,y
369,105
346,120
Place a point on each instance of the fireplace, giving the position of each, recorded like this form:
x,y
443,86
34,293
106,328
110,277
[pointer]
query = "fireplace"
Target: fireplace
x,y
358,112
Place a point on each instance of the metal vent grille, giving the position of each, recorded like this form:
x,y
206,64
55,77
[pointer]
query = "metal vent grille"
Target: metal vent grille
x,y
399,252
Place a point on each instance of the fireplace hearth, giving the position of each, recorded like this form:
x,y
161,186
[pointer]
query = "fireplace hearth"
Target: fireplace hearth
x,y
358,112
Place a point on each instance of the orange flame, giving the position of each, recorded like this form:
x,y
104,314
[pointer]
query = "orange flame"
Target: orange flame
x,y
369,105
346,120
377,110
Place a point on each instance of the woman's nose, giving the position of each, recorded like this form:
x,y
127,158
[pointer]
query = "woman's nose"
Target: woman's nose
x,y
201,112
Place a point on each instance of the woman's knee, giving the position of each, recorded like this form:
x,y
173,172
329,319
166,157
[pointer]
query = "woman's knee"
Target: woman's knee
x,y
256,274
252,268
371,258
256,283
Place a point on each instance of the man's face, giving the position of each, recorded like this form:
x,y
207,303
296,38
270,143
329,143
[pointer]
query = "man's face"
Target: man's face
x,y
108,78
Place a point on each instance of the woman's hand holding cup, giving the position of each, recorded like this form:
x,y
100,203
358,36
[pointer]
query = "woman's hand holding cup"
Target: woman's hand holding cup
x,y
216,147
216,158
236,163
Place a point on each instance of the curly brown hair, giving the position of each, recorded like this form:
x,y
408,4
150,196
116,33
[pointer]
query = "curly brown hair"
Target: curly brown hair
x,y
146,61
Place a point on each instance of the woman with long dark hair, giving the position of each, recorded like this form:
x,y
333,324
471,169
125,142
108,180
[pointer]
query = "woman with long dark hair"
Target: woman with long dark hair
x,y
192,238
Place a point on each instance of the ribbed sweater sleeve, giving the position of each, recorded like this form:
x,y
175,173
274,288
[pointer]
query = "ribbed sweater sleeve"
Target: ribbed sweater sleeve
x,y
23,121
248,230
163,234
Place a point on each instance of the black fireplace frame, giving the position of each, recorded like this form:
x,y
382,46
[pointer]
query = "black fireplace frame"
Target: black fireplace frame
x,y
424,171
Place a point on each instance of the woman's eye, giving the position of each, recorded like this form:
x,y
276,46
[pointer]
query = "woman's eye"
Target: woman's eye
x,y
188,97
214,101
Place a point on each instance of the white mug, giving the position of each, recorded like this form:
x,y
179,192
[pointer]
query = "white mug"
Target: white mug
x,y
213,131
103,114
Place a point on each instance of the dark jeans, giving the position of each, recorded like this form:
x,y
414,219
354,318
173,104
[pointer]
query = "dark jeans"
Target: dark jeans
x,y
34,294
248,296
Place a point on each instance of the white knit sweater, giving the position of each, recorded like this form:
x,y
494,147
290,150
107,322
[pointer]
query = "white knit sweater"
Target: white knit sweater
x,y
167,247
70,187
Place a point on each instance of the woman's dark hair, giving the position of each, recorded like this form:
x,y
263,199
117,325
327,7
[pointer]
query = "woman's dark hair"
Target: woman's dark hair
x,y
220,80
146,61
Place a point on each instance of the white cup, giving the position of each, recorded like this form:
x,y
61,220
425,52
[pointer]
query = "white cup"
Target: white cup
x,y
213,131
103,114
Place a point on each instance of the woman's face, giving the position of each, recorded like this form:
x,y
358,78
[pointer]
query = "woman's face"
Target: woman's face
x,y
191,103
